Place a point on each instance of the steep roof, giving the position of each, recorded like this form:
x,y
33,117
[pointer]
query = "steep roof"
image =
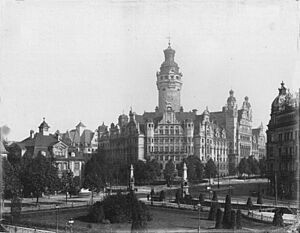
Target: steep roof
x,y
86,136
80,124
219,117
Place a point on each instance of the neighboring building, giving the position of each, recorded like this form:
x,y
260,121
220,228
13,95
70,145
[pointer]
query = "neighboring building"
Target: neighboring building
x,y
50,145
170,133
283,143
81,139
258,143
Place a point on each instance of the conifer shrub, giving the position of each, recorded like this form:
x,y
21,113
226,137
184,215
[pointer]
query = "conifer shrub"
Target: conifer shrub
x,y
227,213
259,198
232,219
162,195
201,198
219,219
249,203
215,197
239,219
277,219
213,210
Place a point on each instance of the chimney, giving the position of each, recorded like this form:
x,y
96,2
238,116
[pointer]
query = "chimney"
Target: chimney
x,y
31,133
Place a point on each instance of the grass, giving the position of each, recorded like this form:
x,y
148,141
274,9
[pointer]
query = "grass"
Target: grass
x,y
163,220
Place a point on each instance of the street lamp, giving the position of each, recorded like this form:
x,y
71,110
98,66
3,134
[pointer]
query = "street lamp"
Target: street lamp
x,y
71,222
56,208
199,209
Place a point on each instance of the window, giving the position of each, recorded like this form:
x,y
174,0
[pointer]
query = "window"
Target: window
x,y
166,149
280,137
76,166
167,131
177,131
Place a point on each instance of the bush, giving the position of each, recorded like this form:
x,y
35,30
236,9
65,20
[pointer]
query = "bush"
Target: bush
x,y
215,197
213,210
96,213
278,220
232,219
227,213
239,219
162,195
118,209
259,198
219,219
201,198
249,203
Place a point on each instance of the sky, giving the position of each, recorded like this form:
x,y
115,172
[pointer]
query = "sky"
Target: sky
x,y
90,60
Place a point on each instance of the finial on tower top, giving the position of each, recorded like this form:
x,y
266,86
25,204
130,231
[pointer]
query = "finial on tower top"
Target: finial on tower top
x,y
169,40
44,118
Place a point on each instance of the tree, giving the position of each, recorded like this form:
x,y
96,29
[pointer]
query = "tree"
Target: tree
x,y
12,183
262,166
210,169
249,203
201,199
169,172
152,170
253,165
194,168
243,167
277,219
93,175
259,198
140,172
67,182
227,213
219,219
37,174
215,197
232,219
239,219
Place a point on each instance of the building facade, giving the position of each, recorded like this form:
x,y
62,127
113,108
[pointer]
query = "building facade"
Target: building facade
x,y
283,144
50,145
170,133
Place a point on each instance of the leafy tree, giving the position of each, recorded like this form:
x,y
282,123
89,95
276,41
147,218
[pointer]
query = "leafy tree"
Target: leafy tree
x,y
152,170
227,213
243,167
67,182
262,166
253,165
37,174
210,169
169,172
194,168
140,170
93,176
12,183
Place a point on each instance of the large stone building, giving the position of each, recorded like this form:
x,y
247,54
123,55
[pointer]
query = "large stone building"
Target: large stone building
x,y
50,145
170,133
283,143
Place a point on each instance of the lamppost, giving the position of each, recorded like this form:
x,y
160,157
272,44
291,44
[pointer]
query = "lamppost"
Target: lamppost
x,y
199,209
71,222
56,208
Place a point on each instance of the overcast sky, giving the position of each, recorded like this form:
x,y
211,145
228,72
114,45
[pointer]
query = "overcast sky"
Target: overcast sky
x,y
89,60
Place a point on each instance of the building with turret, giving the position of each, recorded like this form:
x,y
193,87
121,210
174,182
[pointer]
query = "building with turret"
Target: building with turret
x,y
170,133
283,144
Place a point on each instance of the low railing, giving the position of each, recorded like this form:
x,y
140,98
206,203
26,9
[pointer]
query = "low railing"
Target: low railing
x,y
17,229
262,217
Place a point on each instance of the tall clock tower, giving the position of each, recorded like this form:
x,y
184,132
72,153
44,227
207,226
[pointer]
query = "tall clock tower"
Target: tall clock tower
x,y
169,82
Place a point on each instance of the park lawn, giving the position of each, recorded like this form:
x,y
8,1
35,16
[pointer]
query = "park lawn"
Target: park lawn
x,y
163,220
